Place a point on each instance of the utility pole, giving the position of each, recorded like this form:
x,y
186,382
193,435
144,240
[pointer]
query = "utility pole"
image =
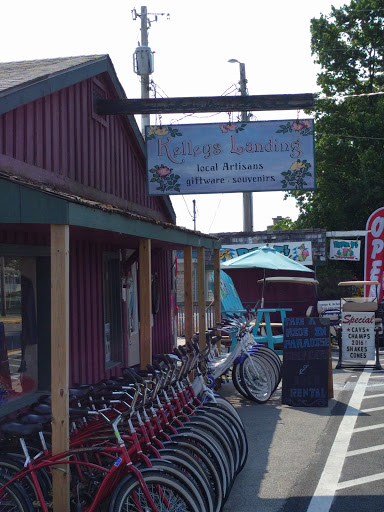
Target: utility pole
x,y
247,196
144,77
194,214
143,63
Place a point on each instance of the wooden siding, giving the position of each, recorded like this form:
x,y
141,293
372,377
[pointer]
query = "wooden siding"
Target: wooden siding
x,y
62,134
86,302
86,311
162,329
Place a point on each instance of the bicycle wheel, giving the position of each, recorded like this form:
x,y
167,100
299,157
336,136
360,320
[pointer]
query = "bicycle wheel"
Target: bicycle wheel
x,y
214,454
237,380
221,433
189,465
11,464
13,498
167,493
210,471
228,423
219,401
267,354
256,380
177,469
211,433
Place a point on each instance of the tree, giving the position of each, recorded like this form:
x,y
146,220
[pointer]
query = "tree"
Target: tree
x,y
349,121
284,223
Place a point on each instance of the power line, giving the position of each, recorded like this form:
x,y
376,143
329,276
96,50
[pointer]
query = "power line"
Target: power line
x,y
217,209
187,207
349,49
349,136
346,96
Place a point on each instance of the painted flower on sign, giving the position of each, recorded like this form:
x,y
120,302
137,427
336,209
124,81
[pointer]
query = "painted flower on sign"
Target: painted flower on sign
x,y
294,178
163,171
301,126
159,131
232,127
297,126
297,166
165,178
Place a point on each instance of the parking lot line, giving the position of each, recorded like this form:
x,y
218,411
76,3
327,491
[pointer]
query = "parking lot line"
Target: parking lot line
x,y
379,395
360,481
372,409
365,450
328,484
370,427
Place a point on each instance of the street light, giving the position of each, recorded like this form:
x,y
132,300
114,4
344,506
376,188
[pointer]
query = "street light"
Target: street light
x,y
247,196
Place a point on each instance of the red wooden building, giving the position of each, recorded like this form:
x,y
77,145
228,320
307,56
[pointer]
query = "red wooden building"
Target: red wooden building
x,y
86,255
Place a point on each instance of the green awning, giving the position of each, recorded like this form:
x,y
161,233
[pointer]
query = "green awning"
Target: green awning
x,y
24,204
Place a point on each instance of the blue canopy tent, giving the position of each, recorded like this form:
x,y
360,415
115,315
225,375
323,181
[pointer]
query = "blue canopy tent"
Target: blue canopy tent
x,y
263,258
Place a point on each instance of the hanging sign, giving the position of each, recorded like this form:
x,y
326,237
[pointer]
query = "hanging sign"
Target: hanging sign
x,y
230,157
374,253
344,250
298,251
306,362
358,337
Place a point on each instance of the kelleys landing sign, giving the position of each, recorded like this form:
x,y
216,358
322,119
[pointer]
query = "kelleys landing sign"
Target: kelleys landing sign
x,y
233,157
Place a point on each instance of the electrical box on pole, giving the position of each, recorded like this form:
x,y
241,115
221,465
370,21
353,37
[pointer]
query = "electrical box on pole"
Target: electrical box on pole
x,y
143,61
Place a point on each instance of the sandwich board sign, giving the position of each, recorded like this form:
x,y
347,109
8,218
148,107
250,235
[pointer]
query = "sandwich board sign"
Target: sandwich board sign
x,y
306,362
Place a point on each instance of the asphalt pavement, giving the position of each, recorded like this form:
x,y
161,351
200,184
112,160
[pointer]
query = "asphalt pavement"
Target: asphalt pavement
x,y
314,459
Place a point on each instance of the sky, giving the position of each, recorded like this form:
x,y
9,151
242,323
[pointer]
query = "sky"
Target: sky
x,y
193,42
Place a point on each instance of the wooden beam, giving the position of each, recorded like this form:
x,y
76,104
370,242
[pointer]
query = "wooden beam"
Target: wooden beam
x,y
201,295
60,360
145,276
188,293
205,104
216,288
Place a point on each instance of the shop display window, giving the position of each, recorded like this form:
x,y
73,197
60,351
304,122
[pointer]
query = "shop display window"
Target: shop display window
x,y
18,327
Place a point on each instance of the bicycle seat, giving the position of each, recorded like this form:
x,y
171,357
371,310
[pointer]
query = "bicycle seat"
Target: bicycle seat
x,y
42,409
20,429
34,418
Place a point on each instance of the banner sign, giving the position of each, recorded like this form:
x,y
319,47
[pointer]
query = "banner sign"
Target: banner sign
x,y
374,253
298,251
232,157
358,337
344,250
306,362
230,301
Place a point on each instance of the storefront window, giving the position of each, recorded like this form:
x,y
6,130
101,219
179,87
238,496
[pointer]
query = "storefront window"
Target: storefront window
x,y
18,327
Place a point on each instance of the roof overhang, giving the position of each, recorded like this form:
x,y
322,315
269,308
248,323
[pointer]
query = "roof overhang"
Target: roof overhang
x,y
24,204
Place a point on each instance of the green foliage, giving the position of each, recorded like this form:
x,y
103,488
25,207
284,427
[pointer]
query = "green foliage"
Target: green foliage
x,y
349,46
281,224
333,273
